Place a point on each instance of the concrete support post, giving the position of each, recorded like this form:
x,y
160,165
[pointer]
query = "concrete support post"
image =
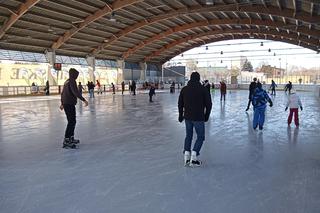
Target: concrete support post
x,y
92,67
162,73
120,71
143,72
51,56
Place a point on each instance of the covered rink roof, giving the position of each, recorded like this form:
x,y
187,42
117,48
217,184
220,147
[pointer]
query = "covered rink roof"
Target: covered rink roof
x,y
152,30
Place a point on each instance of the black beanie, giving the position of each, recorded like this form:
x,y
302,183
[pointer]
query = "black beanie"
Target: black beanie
x,y
195,76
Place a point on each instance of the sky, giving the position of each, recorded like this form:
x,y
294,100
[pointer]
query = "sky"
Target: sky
x,y
281,54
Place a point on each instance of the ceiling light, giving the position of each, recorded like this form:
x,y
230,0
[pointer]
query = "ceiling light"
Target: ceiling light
x,y
269,50
50,29
209,2
77,22
261,44
113,18
106,40
221,52
221,61
155,7
207,47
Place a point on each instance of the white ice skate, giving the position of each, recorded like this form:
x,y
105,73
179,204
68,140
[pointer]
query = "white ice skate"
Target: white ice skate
x,y
186,158
194,161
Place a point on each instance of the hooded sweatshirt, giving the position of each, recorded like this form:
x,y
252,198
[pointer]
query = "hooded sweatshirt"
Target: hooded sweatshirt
x,y
70,91
194,101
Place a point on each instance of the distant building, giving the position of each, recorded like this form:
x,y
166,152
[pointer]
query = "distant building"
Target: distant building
x,y
271,72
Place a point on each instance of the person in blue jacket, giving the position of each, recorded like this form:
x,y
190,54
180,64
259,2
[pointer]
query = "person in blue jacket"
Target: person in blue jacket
x,y
259,102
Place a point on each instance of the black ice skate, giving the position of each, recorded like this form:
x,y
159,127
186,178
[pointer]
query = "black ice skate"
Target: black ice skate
x,y
67,144
75,141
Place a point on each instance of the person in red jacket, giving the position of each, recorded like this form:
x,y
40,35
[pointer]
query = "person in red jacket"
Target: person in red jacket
x,y
69,96
223,90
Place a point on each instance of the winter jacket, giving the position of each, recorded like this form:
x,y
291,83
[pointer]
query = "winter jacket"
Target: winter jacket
x,y
194,102
70,91
252,88
223,88
152,91
260,98
294,101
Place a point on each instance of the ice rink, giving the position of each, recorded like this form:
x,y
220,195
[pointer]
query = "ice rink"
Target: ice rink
x,y
130,158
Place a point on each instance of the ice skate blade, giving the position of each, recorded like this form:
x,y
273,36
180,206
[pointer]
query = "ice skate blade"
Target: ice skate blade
x,y
194,165
73,146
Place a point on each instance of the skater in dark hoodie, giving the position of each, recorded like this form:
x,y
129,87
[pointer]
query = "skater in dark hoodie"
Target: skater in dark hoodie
x,y
152,92
69,96
195,107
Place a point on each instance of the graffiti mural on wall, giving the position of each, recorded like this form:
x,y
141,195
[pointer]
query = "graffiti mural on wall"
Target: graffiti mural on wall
x,y
24,74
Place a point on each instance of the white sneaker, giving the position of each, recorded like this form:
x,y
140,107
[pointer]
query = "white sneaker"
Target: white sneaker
x,y
186,158
194,161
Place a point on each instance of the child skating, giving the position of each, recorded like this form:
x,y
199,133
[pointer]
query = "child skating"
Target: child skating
x,y
259,102
293,103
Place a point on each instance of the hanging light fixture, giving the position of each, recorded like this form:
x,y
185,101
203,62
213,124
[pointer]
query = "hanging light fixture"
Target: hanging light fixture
x,y
269,50
261,44
221,61
182,55
113,17
274,54
221,52
209,2
207,48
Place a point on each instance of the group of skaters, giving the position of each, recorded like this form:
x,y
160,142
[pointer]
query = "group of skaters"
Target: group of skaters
x,y
194,106
259,98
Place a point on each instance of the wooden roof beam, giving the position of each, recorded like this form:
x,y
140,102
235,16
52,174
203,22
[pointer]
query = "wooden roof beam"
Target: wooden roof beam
x,y
116,5
218,8
247,22
232,36
16,15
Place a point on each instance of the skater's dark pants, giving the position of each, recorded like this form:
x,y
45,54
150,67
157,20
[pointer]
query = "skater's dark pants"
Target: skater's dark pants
x,y
199,127
273,91
150,98
296,116
223,96
249,103
258,118
70,111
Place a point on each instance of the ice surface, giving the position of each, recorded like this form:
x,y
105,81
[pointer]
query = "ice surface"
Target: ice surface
x,y
130,158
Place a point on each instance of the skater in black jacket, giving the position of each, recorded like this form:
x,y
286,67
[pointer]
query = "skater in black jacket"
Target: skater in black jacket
x,y
252,88
69,96
151,92
195,107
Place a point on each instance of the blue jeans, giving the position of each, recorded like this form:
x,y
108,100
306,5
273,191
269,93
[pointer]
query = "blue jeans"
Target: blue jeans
x,y
258,117
199,127
91,93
